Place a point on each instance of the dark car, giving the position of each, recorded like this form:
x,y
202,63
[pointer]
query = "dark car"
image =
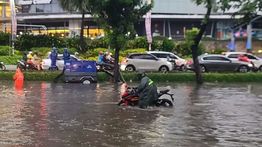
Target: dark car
x,y
221,63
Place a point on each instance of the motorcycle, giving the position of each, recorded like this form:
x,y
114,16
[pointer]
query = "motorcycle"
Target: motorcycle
x,y
2,66
26,66
131,98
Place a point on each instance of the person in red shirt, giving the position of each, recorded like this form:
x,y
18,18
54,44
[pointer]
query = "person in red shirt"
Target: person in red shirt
x,y
243,58
18,78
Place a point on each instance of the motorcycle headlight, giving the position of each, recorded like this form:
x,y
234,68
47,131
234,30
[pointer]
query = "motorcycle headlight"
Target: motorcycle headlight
x,y
2,62
250,65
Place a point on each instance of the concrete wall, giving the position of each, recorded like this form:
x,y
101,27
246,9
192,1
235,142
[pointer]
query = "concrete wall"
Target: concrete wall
x,y
240,45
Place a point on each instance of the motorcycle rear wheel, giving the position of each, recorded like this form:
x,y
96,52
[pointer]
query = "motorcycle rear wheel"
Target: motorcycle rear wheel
x,y
3,67
165,103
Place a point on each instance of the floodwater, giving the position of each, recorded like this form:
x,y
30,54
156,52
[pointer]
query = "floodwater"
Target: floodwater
x,y
59,115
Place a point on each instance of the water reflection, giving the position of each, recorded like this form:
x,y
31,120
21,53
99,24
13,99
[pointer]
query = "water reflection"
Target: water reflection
x,y
47,114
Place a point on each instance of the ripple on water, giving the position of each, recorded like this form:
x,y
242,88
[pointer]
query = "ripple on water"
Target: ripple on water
x,y
47,114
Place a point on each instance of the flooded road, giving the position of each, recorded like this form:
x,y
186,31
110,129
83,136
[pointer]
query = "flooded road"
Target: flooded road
x,y
59,115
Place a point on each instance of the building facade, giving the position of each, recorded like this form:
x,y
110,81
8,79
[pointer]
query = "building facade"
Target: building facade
x,y
170,18
5,16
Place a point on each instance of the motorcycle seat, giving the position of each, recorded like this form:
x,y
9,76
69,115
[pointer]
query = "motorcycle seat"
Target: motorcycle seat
x,y
164,91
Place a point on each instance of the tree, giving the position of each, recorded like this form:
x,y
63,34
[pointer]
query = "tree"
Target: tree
x,y
194,47
248,8
81,6
117,17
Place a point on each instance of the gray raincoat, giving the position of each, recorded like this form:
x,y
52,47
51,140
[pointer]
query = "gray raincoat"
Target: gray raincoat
x,y
147,92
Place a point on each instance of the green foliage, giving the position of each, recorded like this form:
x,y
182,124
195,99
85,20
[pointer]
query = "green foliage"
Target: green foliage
x,y
184,48
93,54
157,77
218,51
138,42
4,38
41,51
157,43
10,60
75,5
168,45
5,50
129,51
26,41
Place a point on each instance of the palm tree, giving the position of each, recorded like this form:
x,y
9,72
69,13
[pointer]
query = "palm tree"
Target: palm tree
x,y
81,6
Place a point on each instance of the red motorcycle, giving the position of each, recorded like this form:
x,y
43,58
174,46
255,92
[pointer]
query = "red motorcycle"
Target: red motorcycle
x,y
131,98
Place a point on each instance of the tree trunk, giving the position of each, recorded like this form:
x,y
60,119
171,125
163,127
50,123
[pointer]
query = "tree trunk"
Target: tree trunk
x,y
197,39
116,66
82,32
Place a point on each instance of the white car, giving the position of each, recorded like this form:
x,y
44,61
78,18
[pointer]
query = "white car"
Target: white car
x,y
256,60
46,63
145,62
168,56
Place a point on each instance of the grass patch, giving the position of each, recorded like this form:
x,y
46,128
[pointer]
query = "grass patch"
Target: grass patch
x,y
157,77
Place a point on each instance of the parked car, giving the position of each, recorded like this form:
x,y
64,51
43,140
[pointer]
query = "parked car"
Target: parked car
x,y
145,62
256,60
180,63
220,63
46,63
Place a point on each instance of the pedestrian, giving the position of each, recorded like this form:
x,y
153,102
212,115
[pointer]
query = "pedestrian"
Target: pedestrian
x,y
100,57
37,61
53,57
66,55
18,78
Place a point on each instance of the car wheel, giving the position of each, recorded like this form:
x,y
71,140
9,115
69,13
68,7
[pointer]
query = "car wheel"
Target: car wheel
x,y
260,69
163,69
243,69
202,68
183,68
130,68
3,67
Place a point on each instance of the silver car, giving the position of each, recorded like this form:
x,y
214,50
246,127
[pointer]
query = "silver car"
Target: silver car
x,y
221,63
254,59
145,62
46,63
168,56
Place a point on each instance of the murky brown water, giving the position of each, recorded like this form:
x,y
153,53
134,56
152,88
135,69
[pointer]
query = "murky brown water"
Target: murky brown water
x,y
58,115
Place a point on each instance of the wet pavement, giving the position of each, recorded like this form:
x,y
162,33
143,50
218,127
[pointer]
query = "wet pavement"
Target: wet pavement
x,y
60,115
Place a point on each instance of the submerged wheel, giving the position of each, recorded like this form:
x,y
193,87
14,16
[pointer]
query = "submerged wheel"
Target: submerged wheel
x,y
86,81
165,103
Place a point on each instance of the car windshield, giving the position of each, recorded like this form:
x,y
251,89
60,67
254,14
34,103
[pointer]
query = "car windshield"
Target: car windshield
x,y
173,56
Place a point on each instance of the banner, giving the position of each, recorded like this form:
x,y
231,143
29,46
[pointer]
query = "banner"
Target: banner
x,y
148,25
13,19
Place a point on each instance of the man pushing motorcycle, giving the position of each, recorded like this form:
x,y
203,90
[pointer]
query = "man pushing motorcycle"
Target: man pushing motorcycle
x,y
147,91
